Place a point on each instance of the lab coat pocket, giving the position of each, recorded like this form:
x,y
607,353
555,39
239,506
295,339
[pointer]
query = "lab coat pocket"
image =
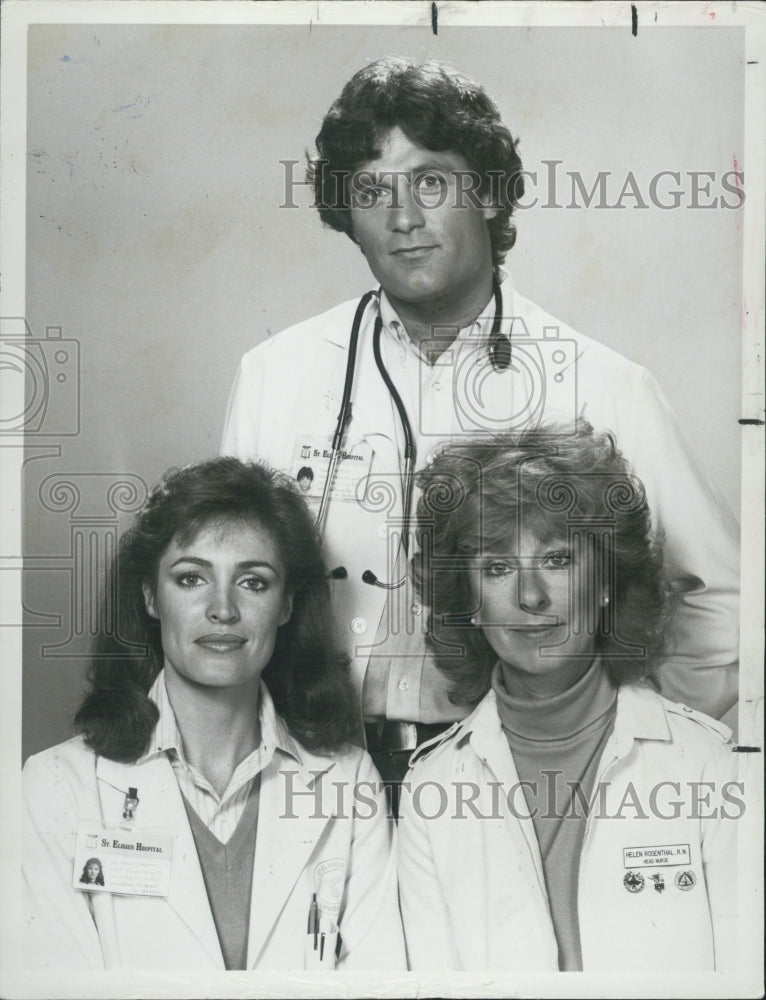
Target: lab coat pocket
x,y
321,947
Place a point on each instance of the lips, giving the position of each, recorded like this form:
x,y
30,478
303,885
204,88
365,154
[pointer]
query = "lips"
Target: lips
x,y
418,251
534,631
221,642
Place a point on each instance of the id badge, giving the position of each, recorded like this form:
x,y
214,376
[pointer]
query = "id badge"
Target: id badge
x,y
127,862
310,465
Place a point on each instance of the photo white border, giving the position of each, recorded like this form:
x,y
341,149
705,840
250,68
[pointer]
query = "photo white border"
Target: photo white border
x,y
17,15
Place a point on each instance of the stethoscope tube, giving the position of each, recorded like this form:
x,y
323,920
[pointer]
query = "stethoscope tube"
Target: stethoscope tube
x,y
344,416
499,352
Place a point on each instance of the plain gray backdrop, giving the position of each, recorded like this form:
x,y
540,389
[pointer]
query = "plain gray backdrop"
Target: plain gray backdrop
x,y
156,240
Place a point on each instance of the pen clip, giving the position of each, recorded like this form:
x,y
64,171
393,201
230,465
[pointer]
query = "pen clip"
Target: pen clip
x,y
313,925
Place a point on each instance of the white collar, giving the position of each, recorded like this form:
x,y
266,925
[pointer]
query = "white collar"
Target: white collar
x,y
476,332
166,735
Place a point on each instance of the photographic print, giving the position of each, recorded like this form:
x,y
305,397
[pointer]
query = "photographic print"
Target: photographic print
x,y
382,441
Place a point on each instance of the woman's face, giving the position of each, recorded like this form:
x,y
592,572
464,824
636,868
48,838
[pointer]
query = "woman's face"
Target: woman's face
x,y
93,871
539,606
220,599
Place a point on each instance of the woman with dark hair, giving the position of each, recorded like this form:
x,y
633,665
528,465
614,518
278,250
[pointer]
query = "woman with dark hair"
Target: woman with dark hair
x,y
214,764
568,801
92,872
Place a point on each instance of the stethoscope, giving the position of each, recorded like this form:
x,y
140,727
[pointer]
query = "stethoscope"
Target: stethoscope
x,y
499,352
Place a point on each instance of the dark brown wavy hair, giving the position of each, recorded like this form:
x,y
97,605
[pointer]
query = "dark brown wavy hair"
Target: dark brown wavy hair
x,y
564,482
306,677
437,108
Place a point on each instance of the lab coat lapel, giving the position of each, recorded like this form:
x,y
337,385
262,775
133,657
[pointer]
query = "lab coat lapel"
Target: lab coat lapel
x,y
491,745
291,819
161,805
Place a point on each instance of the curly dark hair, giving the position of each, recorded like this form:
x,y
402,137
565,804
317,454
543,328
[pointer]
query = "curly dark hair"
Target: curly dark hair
x,y
306,677
436,107
561,482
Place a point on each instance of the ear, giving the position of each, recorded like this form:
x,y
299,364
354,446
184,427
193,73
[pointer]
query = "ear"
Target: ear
x,y
287,610
149,604
489,212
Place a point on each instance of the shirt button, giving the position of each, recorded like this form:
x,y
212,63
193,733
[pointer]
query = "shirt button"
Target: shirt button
x,y
359,625
404,684
417,609
437,386
686,709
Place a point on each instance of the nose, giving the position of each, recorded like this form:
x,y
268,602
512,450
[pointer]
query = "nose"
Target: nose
x,y
406,213
223,606
533,594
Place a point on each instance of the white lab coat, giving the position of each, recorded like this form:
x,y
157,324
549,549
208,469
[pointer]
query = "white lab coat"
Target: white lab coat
x,y
69,929
472,888
291,386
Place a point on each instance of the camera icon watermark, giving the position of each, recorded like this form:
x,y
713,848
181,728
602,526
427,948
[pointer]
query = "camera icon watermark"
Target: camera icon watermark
x,y
42,381
530,382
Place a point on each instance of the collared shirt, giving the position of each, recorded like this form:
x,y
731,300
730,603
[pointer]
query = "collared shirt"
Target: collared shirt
x,y
437,389
219,813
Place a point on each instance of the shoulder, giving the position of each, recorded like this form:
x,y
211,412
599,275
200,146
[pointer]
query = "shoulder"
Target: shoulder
x,y
63,770
543,325
441,753
437,749
698,741
693,724
309,334
71,753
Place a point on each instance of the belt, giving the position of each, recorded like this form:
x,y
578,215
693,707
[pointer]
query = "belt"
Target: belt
x,y
391,736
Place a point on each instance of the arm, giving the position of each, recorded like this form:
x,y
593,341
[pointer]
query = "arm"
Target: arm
x,y
701,550
59,932
370,925
427,927
239,432
719,855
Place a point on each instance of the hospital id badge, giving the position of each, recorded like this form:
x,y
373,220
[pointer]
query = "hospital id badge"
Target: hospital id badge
x,y
310,466
127,862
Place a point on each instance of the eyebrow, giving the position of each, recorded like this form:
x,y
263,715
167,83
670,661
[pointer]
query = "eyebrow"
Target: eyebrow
x,y
245,564
420,168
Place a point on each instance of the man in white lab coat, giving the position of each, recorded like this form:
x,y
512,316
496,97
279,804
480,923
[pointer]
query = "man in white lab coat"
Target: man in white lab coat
x,y
415,166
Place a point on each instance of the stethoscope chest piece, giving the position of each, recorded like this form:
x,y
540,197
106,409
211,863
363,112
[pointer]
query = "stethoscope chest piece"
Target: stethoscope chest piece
x,y
500,352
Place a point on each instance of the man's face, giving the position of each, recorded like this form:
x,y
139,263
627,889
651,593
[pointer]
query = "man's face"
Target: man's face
x,y
424,240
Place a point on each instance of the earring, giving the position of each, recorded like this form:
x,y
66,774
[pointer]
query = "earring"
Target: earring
x,y
605,601
473,621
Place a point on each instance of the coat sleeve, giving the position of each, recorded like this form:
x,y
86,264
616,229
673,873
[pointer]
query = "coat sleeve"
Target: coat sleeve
x,y
240,437
427,927
59,932
719,853
701,541
370,924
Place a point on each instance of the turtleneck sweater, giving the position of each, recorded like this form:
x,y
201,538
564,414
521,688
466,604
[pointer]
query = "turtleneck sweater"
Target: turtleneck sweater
x,y
556,743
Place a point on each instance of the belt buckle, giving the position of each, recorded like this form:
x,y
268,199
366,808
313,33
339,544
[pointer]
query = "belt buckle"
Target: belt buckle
x,y
391,735
403,735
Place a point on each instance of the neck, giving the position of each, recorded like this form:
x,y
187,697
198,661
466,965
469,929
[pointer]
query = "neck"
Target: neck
x,y
219,727
454,310
521,684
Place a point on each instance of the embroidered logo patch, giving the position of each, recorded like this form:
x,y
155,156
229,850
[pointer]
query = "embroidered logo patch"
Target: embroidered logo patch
x,y
659,882
685,880
633,881
330,880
